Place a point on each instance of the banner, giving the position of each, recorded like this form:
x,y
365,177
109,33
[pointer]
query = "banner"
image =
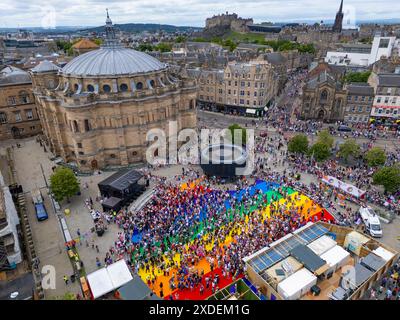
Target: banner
x,y
346,187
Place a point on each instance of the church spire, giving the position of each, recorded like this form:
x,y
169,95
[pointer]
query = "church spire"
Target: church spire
x,y
337,26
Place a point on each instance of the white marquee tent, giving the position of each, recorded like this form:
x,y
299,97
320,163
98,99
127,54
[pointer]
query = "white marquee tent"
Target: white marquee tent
x,y
322,245
298,284
336,258
383,253
110,278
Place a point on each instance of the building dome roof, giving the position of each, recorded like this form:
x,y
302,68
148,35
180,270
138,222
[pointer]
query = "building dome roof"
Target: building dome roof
x,y
45,66
112,61
11,75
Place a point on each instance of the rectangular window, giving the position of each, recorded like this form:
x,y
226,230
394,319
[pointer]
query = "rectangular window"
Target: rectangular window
x,y
241,101
242,84
11,101
32,128
360,109
3,117
378,100
81,153
79,145
17,116
386,99
29,114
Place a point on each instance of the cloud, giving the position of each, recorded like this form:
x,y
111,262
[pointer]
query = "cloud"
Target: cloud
x,y
184,12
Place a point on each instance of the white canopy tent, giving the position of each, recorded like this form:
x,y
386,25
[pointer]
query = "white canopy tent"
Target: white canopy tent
x,y
295,286
110,278
336,258
383,253
344,186
99,283
322,245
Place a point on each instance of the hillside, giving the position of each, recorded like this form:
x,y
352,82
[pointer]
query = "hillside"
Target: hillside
x,y
140,27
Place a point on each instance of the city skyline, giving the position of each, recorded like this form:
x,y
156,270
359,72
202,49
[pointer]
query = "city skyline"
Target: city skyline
x,y
34,13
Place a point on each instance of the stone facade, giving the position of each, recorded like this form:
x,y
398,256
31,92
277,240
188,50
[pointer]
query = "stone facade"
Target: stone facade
x,y
360,97
323,99
103,119
18,113
226,22
238,87
106,129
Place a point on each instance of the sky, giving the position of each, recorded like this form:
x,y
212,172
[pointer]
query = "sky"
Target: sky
x,y
50,13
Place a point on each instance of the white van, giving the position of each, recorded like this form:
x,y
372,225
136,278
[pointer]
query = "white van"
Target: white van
x,y
371,221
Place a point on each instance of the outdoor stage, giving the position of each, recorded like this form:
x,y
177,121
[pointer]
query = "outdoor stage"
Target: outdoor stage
x,y
292,202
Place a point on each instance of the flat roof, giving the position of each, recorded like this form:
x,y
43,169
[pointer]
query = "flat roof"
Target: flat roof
x,y
308,258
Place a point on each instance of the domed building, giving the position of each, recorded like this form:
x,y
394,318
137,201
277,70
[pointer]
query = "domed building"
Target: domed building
x,y
97,109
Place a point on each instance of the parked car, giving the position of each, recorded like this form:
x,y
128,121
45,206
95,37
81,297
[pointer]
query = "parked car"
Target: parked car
x,y
41,213
343,128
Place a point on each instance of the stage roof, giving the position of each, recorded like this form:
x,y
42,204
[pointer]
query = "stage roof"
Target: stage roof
x,y
122,179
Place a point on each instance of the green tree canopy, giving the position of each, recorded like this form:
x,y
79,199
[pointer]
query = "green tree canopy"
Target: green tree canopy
x,y
180,39
232,129
63,184
320,151
145,47
326,138
357,76
163,47
349,149
375,157
388,177
298,144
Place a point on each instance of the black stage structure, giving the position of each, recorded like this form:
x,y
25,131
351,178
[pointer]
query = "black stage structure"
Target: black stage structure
x,y
121,188
223,160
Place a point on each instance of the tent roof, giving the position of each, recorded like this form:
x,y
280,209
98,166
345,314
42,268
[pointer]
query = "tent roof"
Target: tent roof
x,y
307,257
122,179
100,283
296,282
373,262
322,245
335,255
119,273
383,253
135,289
360,275
107,279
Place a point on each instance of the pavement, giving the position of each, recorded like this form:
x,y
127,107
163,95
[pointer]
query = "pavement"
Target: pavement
x,y
47,236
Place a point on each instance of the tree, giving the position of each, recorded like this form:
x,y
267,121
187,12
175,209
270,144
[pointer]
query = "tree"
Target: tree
x,y
326,138
298,144
375,157
357,76
232,129
349,148
388,177
180,39
63,184
320,151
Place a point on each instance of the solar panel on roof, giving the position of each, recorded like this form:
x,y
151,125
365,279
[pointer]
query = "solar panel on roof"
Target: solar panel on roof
x,y
312,233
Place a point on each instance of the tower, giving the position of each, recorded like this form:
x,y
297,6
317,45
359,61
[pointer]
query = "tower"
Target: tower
x,y
337,26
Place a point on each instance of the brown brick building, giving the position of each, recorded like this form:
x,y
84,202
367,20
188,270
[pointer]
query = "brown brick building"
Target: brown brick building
x,y
18,113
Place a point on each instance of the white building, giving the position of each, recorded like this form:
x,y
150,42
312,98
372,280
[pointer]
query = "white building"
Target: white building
x,y
363,55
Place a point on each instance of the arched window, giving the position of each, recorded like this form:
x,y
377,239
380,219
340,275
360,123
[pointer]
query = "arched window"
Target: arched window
x,y
123,87
338,103
139,86
90,88
106,88
76,87
87,125
75,125
191,104
152,83
324,95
